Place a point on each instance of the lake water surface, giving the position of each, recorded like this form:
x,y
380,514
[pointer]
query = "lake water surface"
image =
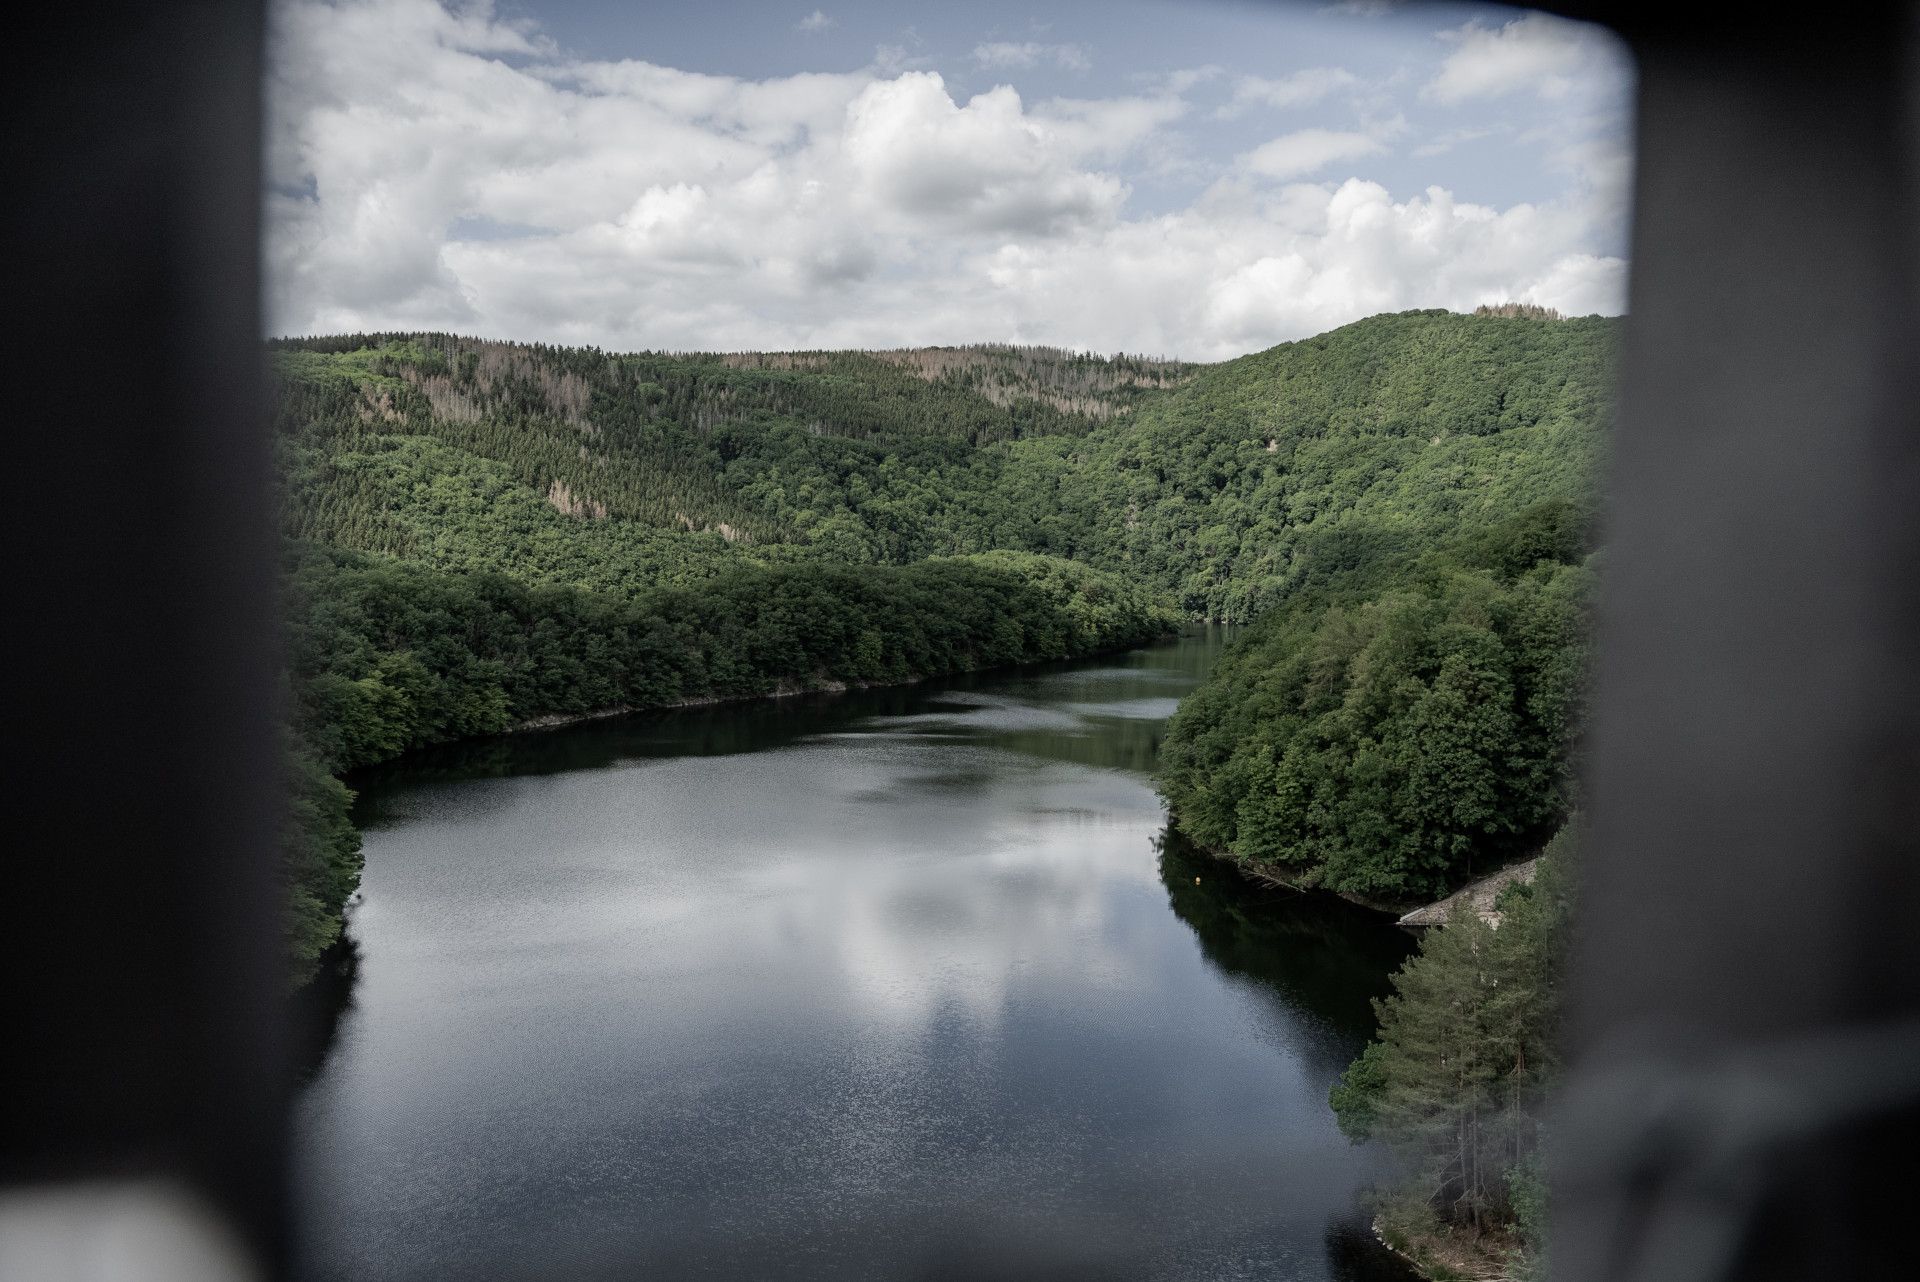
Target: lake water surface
x,y
899,984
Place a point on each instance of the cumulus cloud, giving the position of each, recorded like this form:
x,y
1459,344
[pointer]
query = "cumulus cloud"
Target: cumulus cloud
x,y
1546,56
1026,54
1308,258
920,159
815,21
448,170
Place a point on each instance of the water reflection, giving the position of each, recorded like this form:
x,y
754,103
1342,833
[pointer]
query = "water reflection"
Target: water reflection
x,y
324,1004
1321,959
879,986
1355,1255
1108,713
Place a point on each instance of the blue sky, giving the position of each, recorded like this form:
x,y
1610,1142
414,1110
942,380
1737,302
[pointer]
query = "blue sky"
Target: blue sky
x,y
1193,179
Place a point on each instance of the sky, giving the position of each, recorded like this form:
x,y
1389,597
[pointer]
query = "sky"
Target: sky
x,y
1164,177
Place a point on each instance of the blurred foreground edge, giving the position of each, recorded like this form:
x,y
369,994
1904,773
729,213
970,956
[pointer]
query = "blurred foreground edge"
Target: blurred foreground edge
x,y
1745,1024
143,1117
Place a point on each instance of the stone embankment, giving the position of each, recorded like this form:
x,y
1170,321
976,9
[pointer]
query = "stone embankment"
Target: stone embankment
x,y
1480,896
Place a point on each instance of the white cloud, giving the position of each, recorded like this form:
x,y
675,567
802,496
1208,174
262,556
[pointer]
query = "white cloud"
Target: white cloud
x,y
1298,89
815,21
1245,271
893,59
1308,151
1185,79
1107,128
917,156
1547,56
1441,144
452,171
1023,55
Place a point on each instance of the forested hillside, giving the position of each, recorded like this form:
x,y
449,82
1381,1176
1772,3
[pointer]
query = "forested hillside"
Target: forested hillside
x,y
1225,486
569,465
1349,452
482,534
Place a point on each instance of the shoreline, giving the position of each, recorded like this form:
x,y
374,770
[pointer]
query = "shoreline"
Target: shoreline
x,y
1380,1235
1405,910
1464,1266
558,720
781,690
1260,876
303,978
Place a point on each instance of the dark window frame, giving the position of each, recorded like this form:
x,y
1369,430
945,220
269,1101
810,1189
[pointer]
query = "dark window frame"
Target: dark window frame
x,y
1744,981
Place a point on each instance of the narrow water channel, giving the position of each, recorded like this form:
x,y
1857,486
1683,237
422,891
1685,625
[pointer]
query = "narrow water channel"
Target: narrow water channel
x,y
898,984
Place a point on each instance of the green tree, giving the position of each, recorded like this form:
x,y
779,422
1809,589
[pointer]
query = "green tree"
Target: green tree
x,y
1468,1047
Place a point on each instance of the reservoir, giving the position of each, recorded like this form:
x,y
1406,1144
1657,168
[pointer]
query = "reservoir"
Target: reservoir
x,y
901,983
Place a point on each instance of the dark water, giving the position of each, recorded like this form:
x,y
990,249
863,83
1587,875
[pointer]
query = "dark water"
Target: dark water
x,y
905,984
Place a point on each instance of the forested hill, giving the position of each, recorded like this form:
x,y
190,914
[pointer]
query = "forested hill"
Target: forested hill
x,y
1407,708
1360,448
485,533
1223,486
572,465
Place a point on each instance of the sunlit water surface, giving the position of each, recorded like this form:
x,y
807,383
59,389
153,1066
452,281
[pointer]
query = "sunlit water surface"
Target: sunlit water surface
x,y
902,984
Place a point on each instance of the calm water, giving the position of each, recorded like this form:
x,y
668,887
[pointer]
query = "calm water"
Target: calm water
x,y
904,984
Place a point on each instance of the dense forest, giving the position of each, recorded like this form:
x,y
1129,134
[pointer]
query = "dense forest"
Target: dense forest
x,y
1379,734
1226,487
